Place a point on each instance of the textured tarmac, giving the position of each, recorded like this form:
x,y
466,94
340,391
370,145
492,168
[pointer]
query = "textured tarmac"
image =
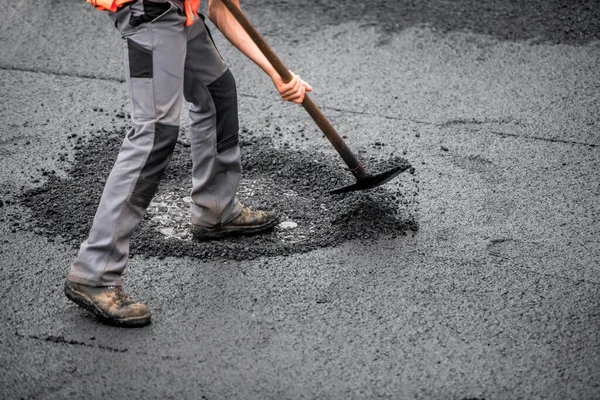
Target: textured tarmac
x,y
492,293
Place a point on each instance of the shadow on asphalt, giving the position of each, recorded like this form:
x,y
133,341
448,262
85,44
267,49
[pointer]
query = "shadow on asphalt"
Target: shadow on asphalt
x,y
554,21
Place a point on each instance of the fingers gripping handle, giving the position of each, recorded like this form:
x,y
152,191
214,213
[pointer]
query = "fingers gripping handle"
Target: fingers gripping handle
x,y
328,130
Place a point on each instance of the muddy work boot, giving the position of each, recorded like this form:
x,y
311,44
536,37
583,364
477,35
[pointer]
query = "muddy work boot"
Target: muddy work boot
x,y
249,222
111,304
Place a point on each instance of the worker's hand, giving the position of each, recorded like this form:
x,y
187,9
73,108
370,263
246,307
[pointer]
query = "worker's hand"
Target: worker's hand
x,y
294,90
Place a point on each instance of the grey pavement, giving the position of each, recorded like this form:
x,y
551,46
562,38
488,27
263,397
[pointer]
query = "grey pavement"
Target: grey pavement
x,y
497,296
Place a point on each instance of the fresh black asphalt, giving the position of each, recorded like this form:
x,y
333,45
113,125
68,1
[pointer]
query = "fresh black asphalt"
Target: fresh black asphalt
x,y
472,276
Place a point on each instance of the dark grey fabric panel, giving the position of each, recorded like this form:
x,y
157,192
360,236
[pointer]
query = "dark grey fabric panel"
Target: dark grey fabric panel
x,y
165,138
140,60
152,10
224,96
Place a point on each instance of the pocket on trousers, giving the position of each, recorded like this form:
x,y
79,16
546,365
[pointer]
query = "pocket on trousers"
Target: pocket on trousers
x,y
151,12
162,11
142,97
120,19
140,79
140,60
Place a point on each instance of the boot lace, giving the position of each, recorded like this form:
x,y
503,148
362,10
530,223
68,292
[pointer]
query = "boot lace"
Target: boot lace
x,y
121,297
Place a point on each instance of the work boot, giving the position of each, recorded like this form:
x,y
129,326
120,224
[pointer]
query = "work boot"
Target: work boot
x,y
248,222
110,303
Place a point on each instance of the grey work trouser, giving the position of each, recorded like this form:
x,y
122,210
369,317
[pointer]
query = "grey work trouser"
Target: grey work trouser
x,y
163,60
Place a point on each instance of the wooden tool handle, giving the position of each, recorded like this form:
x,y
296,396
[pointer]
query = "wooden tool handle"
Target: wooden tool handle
x,y
258,40
334,138
322,122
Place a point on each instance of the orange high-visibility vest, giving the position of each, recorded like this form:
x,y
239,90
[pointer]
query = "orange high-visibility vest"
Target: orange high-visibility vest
x,y
191,7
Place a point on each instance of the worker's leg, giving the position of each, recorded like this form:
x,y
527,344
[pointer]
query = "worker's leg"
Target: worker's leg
x,y
210,88
154,63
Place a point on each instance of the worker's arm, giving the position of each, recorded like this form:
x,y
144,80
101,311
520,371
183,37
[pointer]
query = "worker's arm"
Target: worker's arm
x,y
220,16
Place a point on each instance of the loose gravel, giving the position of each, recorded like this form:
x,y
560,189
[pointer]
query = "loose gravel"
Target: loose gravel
x,y
293,182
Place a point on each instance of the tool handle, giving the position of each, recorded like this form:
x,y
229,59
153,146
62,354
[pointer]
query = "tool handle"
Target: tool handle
x,y
258,40
322,122
336,140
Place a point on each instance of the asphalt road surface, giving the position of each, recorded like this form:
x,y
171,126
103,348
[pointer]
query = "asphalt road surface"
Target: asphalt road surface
x,y
475,275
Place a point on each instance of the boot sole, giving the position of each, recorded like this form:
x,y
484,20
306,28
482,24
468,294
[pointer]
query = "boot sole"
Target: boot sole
x,y
85,302
205,234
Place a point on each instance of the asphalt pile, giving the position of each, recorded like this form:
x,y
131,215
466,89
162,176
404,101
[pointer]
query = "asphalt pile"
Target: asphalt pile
x,y
295,183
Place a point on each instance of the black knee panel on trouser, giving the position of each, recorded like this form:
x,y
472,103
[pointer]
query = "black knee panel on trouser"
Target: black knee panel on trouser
x,y
224,97
165,138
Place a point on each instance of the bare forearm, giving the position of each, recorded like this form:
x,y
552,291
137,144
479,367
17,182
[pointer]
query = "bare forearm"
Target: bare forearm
x,y
218,13
233,31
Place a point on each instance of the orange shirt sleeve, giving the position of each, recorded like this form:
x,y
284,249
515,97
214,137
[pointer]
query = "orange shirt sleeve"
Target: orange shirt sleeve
x,y
108,5
191,7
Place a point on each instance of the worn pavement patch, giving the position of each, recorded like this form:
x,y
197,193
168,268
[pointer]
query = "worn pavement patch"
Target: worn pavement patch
x,y
295,183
